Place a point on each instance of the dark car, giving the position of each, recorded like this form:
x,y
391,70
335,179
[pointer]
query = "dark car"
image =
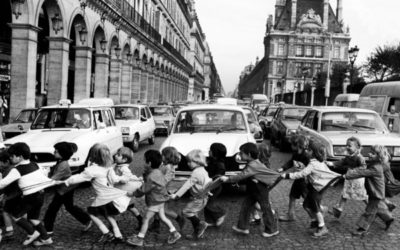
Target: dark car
x,y
265,119
20,124
285,123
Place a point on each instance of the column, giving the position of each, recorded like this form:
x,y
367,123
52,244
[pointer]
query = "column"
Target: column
x,y
161,93
150,86
326,14
168,88
156,95
102,68
135,89
58,69
23,67
126,79
115,79
143,86
83,69
293,14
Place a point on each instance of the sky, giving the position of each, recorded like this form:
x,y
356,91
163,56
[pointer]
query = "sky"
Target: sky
x,y
235,30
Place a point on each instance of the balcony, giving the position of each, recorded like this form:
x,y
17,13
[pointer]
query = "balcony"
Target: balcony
x,y
173,51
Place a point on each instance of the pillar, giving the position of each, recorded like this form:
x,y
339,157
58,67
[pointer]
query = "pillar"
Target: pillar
x,y
58,69
339,11
135,89
102,72
115,79
23,67
161,93
150,86
293,16
326,14
126,79
143,86
156,95
83,69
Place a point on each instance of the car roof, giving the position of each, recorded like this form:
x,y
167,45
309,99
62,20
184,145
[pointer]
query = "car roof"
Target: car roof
x,y
212,107
130,105
337,108
161,106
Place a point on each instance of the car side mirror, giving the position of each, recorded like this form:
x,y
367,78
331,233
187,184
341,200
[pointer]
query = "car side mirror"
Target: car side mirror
x,y
143,119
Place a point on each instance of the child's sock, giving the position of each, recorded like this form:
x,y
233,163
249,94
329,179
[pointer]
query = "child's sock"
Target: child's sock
x,y
140,235
104,229
10,228
42,230
26,225
195,222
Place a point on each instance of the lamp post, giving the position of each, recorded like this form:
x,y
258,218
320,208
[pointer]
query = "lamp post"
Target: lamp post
x,y
353,53
313,85
17,7
282,87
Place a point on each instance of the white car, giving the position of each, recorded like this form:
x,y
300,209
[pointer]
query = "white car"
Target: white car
x,y
20,124
136,124
197,127
255,127
84,124
164,116
332,126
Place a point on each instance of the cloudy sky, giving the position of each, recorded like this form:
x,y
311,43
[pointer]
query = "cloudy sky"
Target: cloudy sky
x,y
235,30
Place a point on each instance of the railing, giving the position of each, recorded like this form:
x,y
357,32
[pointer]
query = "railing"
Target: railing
x,y
173,51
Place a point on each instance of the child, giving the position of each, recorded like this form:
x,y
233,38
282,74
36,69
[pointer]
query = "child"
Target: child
x,y
375,186
318,176
352,189
31,181
213,213
63,195
255,191
121,177
109,201
156,195
196,183
9,193
299,187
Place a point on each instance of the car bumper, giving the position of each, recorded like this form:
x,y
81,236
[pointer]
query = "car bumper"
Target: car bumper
x,y
127,138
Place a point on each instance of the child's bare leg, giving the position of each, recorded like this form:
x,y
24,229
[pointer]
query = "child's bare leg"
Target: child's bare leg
x,y
8,222
164,218
320,219
115,228
145,225
103,228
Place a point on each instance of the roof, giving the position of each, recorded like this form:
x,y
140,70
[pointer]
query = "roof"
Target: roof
x,y
211,107
338,108
382,88
130,105
347,97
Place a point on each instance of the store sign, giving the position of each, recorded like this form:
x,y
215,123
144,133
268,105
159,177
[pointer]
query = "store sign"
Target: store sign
x,y
5,78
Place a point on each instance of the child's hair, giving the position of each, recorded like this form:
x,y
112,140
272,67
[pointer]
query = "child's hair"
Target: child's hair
x,y
318,150
153,157
264,153
126,153
302,141
66,149
250,149
382,152
218,150
356,140
100,154
4,156
20,149
197,157
171,155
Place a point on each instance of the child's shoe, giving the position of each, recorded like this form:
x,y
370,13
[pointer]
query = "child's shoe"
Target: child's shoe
x,y
286,218
106,237
321,231
201,229
118,240
135,241
87,226
314,224
336,211
220,220
42,242
173,237
388,224
360,232
268,235
31,238
241,231
391,206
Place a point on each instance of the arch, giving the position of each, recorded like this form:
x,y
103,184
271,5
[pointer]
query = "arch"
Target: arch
x,y
98,35
52,7
126,50
114,42
76,24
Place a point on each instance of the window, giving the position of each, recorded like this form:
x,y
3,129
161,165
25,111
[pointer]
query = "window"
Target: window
x,y
318,51
299,50
106,118
318,41
310,120
281,49
279,67
308,40
310,69
317,68
143,113
309,51
298,67
336,52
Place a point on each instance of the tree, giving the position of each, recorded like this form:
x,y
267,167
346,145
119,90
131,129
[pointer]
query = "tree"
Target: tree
x,y
384,63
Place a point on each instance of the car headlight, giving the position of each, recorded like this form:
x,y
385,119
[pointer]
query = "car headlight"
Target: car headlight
x,y
340,150
125,130
166,122
291,132
396,151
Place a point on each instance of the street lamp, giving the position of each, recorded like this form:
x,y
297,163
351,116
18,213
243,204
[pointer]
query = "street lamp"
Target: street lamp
x,y
117,51
57,23
129,56
16,7
103,44
313,85
353,53
82,35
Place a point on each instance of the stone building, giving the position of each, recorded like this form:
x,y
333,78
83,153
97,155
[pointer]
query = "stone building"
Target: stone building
x,y
302,40
212,81
128,50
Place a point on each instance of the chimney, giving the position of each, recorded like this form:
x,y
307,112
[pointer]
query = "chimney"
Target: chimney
x,y
326,14
293,16
339,11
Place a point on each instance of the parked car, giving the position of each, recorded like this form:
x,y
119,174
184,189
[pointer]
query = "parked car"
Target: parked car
x,y
285,123
164,116
332,126
265,119
198,126
136,124
85,124
255,127
346,100
20,124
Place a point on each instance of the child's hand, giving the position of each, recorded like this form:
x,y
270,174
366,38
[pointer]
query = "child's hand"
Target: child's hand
x,y
329,163
59,182
130,194
280,170
224,178
173,196
285,176
254,180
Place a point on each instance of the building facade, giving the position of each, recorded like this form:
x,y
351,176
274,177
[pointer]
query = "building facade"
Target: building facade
x,y
305,38
128,50
212,81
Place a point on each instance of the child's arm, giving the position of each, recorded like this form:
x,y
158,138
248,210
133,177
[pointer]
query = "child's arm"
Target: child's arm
x,y
86,175
12,176
247,172
63,171
301,174
360,172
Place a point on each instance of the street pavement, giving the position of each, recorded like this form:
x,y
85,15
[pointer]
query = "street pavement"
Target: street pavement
x,y
293,235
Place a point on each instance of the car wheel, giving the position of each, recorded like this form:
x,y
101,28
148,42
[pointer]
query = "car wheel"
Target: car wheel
x,y
152,139
135,144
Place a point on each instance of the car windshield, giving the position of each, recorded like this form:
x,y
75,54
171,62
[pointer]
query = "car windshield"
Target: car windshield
x,y
352,121
218,121
25,116
161,111
126,113
271,111
294,113
62,118
251,118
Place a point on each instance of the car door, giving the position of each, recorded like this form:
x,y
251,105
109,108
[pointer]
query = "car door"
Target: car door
x,y
309,124
150,124
112,133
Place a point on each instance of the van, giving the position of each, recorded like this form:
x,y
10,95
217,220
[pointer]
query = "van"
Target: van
x,y
257,99
227,101
384,98
346,100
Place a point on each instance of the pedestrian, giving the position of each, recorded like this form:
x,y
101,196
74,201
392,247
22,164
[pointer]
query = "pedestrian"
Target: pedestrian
x,y
256,191
121,177
31,181
299,187
64,195
318,176
214,214
392,185
196,183
375,186
352,189
156,195
109,201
